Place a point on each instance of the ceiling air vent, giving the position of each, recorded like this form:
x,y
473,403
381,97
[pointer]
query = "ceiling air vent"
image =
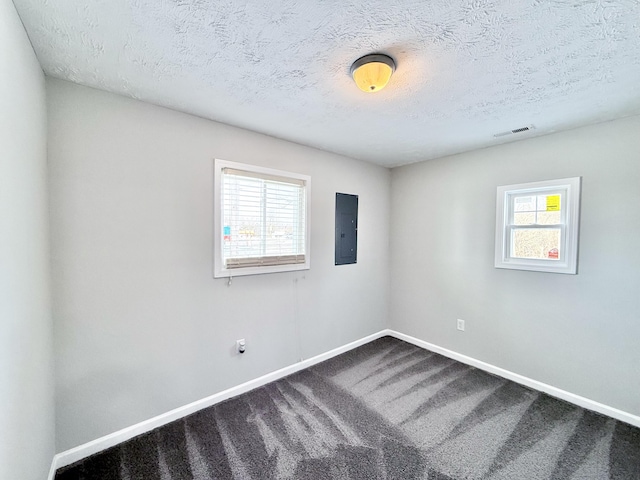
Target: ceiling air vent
x,y
515,130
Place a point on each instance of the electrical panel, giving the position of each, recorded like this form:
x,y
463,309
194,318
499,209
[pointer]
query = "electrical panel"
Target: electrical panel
x,y
346,228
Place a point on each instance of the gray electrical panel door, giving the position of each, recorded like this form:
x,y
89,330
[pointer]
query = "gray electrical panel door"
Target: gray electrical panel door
x,y
346,228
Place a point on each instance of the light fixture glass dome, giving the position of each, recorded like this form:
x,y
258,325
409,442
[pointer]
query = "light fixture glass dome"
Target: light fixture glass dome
x,y
372,72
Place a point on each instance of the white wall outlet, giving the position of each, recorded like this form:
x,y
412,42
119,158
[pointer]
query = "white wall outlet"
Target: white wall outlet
x,y
461,325
241,345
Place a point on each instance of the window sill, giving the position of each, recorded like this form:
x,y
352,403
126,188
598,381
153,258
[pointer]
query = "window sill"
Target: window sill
x,y
239,272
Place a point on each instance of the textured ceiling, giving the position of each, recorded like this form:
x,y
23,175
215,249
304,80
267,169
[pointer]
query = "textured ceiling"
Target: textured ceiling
x,y
466,70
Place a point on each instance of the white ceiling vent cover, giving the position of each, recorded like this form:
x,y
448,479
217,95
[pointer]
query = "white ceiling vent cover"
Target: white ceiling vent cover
x,y
515,130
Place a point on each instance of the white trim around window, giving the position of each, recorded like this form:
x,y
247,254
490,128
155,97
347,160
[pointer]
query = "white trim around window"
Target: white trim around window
x,y
529,211
261,220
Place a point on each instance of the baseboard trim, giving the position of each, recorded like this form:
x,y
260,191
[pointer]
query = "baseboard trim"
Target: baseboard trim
x,y
522,380
78,453
82,451
54,467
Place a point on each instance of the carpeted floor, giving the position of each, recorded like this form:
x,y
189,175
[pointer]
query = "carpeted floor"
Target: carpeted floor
x,y
386,410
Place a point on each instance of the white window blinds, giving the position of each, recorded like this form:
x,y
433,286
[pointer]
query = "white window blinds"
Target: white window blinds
x,y
262,219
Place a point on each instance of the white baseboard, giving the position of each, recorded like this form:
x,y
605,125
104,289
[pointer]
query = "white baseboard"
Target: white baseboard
x,y
54,467
522,380
78,453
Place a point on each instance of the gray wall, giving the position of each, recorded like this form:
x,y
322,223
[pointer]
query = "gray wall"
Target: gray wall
x,y
579,333
26,356
141,326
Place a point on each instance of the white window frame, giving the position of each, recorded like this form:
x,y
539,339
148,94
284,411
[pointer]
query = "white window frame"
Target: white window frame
x,y
567,263
219,269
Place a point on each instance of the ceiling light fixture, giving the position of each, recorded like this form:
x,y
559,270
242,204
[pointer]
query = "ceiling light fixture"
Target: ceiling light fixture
x,y
372,72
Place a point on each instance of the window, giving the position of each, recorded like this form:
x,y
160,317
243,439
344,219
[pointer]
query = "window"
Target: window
x,y
537,226
261,220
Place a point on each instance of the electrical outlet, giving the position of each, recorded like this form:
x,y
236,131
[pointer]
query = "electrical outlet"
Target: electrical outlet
x,y
461,325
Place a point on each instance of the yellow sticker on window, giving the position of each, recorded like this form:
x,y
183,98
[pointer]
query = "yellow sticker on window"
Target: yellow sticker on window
x,y
553,203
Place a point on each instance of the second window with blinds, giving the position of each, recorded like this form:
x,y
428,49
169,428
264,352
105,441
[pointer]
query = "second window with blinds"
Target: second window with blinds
x,y
261,220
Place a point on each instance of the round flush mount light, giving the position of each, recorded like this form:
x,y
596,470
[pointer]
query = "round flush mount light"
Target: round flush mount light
x,y
372,72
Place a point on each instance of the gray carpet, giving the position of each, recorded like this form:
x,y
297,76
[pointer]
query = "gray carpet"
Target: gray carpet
x,y
386,410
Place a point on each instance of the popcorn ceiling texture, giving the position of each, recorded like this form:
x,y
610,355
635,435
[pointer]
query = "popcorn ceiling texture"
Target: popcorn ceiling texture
x,y
466,70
